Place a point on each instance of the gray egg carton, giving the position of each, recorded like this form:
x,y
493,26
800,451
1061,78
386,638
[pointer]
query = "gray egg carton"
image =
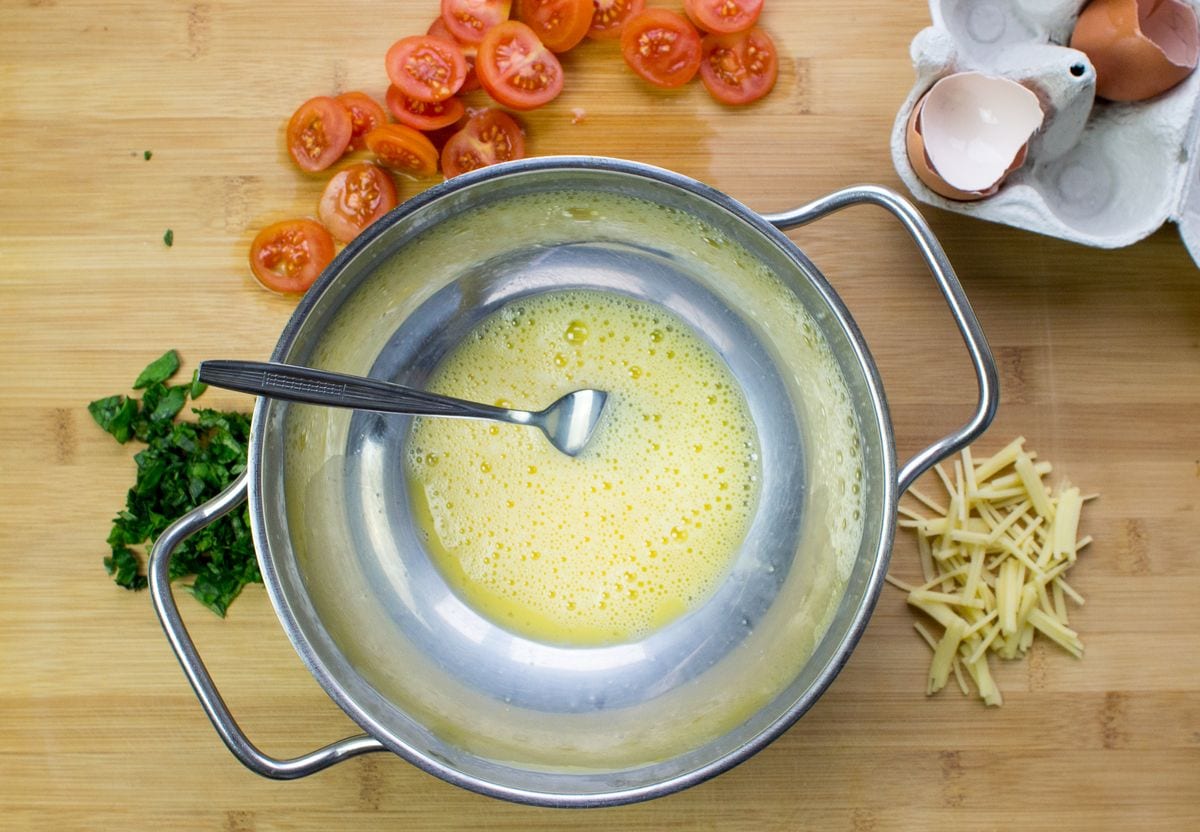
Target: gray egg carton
x,y
1100,173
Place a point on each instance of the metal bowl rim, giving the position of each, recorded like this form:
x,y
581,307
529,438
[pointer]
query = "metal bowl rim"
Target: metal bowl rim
x,y
881,422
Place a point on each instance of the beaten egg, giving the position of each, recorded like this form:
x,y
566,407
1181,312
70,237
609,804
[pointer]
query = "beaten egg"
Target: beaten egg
x,y
624,538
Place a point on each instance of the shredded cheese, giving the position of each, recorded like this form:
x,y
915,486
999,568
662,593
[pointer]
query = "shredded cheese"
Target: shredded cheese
x,y
992,558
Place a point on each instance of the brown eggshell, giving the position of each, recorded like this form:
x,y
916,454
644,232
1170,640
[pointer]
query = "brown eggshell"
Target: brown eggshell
x,y
1139,48
925,171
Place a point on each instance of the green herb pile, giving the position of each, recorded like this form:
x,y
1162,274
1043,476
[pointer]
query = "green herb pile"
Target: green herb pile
x,y
183,465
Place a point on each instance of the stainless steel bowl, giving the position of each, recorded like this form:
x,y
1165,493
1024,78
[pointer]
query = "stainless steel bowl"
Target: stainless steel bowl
x,y
485,708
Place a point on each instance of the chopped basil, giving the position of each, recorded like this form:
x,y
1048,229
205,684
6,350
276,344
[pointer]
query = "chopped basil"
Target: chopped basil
x,y
183,465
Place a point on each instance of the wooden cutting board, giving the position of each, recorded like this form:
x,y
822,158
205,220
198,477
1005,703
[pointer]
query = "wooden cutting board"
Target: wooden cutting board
x,y
1100,367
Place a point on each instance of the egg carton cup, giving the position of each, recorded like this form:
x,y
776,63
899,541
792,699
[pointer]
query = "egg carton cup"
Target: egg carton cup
x,y
1100,173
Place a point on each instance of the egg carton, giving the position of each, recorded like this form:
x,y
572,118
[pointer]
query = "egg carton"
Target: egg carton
x,y
1100,173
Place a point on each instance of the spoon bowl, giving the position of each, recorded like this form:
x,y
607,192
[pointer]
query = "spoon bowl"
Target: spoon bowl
x,y
568,423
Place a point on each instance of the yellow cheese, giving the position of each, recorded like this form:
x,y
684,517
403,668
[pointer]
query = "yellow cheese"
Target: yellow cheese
x,y
943,656
992,558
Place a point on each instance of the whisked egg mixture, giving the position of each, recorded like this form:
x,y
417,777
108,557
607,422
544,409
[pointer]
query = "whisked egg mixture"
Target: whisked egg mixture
x,y
611,544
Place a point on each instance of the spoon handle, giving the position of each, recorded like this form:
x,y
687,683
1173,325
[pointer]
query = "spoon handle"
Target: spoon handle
x,y
311,386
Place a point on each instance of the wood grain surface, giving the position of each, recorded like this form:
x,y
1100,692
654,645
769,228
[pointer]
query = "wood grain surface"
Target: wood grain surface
x,y
1100,363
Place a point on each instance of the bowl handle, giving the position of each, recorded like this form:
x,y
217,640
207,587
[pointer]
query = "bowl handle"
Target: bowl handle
x,y
943,273
197,674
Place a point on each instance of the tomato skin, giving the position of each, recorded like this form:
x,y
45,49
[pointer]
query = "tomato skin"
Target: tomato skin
x,y
609,16
470,20
289,256
661,46
559,24
516,69
421,115
488,137
723,17
438,29
403,149
426,68
318,133
354,198
365,116
739,68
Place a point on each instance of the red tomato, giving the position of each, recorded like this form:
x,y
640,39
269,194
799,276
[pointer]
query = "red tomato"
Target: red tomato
x,y
661,46
723,16
318,133
438,30
354,198
739,68
365,116
403,149
426,68
421,115
489,137
469,20
608,16
560,24
289,256
516,69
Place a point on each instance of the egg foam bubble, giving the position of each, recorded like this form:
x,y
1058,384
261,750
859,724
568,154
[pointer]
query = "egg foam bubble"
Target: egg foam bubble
x,y
641,526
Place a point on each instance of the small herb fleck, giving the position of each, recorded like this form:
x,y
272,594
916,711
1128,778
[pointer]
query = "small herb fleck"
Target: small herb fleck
x,y
146,155
169,238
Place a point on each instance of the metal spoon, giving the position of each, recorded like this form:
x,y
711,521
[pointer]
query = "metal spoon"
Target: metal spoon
x,y
568,423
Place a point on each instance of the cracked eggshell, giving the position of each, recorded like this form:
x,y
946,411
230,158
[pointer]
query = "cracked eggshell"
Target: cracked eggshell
x,y
969,132
1099,172
1140,48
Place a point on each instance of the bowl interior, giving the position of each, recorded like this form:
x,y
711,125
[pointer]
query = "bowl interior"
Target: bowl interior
x,y
472,701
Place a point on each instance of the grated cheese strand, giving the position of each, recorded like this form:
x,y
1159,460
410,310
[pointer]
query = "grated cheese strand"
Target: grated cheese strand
x,y
993,558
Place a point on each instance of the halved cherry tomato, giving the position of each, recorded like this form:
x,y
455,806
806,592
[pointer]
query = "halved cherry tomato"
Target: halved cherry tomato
x,y
403,149
318,133
723,16
438,30
661,46
516,69
442,135
739,68
426,68
421,115
289,256
608,16
354,198
365,116
470,20
560,24
487,138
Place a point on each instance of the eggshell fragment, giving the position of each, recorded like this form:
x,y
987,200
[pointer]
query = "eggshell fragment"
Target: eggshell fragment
x,y
1139,48
969,132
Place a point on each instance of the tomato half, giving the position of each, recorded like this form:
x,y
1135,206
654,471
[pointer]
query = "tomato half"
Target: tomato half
x,y
516,69
318,133
739,68
289,256
403,149
470,20
723,16
425,67
608,16
365,116
354,198
438,29
421,115
661,46
487,138
560,24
